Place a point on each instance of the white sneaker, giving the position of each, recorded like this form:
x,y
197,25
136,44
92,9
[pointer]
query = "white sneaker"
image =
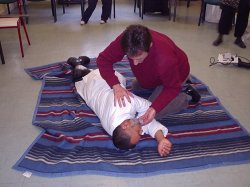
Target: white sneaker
x,y
83,22
102,22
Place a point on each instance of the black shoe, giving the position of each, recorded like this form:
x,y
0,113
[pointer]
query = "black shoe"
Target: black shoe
x,y
240,43
193,93
73,61
84,60
217,42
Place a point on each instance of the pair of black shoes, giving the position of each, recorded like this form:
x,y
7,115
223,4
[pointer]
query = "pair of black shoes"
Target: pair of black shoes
x,y
81,60
193,93
78,73
237,42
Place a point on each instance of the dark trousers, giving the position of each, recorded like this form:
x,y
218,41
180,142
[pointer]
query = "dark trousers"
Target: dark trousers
x,y
179,103
106,10
227,16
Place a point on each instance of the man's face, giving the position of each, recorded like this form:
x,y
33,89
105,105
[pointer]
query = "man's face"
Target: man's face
x,y
134,130
139,58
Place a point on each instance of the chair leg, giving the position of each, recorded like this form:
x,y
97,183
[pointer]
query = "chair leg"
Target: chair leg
x,y
8,7
114,8
175,6
135,5
142,8
25,11
188,3
201,13
204,12
25,31
19,36
1,54
139,3
52,9
169,9
63,7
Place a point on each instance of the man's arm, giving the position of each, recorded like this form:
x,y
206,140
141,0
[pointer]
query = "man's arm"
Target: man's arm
x,y
154,128
164,145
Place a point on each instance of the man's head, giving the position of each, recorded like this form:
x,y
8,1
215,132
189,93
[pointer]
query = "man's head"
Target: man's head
x,y
127,134
136,41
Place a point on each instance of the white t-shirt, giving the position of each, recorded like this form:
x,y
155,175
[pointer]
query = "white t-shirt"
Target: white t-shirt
x,y
100,98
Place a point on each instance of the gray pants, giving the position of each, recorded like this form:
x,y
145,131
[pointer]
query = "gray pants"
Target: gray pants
x,y
179,103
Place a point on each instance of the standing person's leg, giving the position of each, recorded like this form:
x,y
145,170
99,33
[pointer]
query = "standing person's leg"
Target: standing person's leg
x,y
225,23
106,10
88,12
241,22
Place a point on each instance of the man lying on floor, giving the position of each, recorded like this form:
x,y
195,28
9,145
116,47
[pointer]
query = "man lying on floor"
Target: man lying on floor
x,y
121,123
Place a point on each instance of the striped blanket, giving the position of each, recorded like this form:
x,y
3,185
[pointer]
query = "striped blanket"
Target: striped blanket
x,y
73,141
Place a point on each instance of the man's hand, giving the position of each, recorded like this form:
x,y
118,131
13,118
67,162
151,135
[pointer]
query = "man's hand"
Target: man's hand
x,y
148,116
164,147
120,94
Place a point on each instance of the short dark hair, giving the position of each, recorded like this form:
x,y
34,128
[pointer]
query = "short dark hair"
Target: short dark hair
x,y
135,38
121,139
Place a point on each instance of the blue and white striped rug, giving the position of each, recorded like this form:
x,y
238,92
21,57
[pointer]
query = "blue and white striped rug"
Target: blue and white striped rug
x,y
73,141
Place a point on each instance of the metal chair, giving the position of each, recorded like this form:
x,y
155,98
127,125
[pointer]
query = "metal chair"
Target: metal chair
x,y
1,54
68,2
174,2
8,2
141,5
15,22
204,4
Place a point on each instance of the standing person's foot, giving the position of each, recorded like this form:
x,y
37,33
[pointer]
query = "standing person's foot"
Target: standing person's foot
x,y
219,40
83,22
240,43
103,22
84,60
193,93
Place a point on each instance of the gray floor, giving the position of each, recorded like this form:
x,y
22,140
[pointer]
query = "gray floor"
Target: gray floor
x,y
53,42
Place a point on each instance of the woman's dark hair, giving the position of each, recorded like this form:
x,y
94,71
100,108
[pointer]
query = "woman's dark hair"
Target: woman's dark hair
x,y
121,139
135,38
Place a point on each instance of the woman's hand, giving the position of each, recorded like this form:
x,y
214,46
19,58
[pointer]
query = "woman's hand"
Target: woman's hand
x,y
120,94
148,116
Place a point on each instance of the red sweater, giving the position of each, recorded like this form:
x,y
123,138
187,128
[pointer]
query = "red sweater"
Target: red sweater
x,y
166,65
